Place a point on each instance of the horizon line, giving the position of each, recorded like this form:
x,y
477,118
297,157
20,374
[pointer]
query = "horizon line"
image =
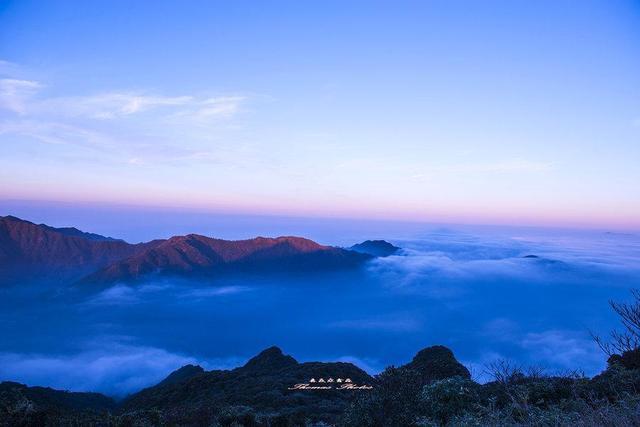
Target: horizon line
x,y
223,210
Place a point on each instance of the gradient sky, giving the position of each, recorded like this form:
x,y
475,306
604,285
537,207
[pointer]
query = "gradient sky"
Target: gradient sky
x,y
479,111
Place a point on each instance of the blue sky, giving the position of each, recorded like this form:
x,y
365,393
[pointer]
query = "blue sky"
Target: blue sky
x,y
485,112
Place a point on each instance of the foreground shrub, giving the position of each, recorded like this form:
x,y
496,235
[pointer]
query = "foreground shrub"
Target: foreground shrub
x,y
448,398
396,400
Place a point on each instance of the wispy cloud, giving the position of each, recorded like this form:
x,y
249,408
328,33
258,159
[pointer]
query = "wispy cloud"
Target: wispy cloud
x,y
15,94
57,133
107,105
210,292
128,295
135,127
211,108
20,96
124,295
118,105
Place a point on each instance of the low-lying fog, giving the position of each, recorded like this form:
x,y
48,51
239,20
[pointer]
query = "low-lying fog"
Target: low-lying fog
x,y
472,290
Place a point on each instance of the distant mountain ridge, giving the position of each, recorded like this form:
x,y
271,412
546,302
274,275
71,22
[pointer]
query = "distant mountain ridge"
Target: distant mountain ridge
x,y
67,231
72,231
28,250
199,255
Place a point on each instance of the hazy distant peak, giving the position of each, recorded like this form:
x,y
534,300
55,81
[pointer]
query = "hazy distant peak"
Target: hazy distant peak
x,y
379,248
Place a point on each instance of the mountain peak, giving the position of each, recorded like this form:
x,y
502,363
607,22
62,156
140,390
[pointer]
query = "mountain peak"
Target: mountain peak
x,y
182,374
436,363
14,218
270,359
67,231
379,248
30,251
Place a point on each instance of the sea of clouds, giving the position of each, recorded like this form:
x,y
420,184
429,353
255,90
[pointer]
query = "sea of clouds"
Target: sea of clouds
x,y
530,296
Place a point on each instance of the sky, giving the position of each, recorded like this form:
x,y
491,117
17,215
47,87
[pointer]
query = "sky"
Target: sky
x,y
495,112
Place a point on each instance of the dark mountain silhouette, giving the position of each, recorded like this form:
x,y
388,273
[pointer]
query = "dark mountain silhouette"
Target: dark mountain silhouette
x,y
436,363
199,255
432,389
262,383
378,248
182,374
29,251
269,360
23,405
261,388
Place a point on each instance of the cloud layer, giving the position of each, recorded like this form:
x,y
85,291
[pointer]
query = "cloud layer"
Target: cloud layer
x,y
109,367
